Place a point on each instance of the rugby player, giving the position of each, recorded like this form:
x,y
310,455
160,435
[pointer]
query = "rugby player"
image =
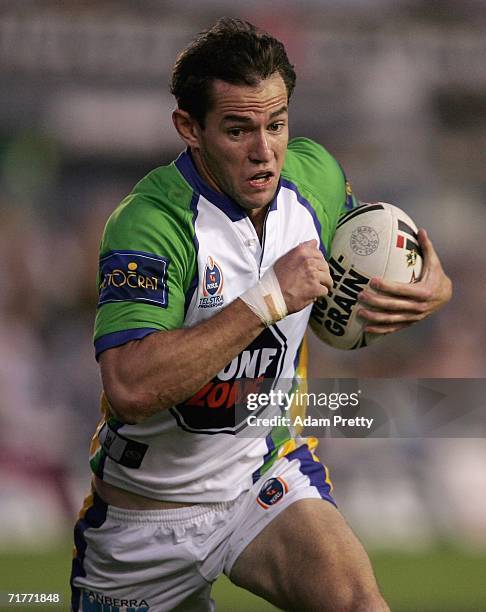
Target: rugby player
x,y
208,272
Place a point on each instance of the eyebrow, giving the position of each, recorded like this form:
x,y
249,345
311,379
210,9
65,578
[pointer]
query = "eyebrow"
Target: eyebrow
x,y
240,119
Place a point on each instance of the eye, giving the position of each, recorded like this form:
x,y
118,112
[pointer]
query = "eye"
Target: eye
x,y
235,132
276,127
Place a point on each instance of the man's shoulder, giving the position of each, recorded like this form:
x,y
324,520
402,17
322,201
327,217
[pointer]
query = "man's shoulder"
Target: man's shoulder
x,y
311,168
307,160
159,204
307,146
319,182
163,191
164,185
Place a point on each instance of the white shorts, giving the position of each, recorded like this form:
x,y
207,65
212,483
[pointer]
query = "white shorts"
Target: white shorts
x,y
158,560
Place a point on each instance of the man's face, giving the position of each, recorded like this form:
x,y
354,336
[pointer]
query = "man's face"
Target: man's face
x,y
242,148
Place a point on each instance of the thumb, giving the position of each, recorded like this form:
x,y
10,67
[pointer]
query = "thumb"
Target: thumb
x,y
430,256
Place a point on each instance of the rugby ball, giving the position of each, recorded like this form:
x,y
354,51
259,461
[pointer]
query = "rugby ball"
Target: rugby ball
x,y
371,240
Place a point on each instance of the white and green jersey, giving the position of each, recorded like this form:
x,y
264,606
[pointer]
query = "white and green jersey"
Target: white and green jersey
x,y
173,254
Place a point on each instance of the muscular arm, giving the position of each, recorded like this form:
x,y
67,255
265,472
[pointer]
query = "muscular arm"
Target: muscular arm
x,y
145,376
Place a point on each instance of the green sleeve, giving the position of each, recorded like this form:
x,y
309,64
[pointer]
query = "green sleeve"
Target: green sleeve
x,y
321,181
147,258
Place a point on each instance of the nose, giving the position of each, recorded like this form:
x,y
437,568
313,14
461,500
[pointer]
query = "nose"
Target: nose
x,y
260,150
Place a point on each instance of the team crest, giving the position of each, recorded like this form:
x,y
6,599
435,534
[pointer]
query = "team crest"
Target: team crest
x,y
272,492
212,285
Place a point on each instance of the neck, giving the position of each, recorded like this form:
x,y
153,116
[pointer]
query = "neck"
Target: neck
x,y
203,171
257,217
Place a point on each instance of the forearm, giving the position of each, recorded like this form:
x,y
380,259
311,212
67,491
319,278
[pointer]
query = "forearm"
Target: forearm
x,y
146,376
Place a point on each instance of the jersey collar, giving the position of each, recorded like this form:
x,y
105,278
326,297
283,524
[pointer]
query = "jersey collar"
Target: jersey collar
x,y
231,209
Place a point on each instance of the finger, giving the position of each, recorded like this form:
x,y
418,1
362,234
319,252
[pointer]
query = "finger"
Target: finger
x,y
315,278
385,329
414,291
322,265
316,273
324,280
389,303
327,284
317,259
325,275
427,247
432,268
316,270
322,291
388,318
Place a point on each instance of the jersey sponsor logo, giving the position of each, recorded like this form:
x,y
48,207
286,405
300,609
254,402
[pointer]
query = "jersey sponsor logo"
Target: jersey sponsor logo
x,y
212,285
96,602
121,449
272,492
213,409
133,276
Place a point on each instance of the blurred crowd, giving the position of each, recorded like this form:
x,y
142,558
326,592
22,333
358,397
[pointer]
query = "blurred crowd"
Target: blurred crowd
x,y
376,86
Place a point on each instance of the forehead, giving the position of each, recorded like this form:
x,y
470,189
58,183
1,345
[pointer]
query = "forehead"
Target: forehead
x,y
267,96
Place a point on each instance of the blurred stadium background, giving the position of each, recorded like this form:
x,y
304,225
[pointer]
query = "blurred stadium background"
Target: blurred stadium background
x,y
396,90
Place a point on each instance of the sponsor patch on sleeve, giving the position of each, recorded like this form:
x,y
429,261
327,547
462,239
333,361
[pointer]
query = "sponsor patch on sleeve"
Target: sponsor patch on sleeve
x,y
133,276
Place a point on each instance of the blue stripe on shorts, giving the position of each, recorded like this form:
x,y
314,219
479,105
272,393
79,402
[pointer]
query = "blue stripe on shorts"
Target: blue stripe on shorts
x,y
314,470
94,517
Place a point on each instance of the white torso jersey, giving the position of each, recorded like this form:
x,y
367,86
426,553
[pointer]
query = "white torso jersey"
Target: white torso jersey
x,y
173,254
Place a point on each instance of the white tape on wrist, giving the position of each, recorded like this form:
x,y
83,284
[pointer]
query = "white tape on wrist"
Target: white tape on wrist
x,y
266,299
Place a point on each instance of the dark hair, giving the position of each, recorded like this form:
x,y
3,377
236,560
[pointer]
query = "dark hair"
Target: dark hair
x,y
233,51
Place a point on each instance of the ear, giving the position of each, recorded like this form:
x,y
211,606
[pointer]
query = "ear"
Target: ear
x,y
187,127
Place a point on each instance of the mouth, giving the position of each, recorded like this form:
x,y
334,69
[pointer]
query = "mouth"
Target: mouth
x,y
261,179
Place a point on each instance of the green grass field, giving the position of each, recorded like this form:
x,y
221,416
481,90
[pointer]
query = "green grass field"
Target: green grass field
x,y
442,580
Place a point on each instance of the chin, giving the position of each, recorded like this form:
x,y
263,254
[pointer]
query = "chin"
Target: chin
x,y
256,201
255,204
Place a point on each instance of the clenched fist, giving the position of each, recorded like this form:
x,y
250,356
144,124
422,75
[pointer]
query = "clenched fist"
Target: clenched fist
x,y
303,275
